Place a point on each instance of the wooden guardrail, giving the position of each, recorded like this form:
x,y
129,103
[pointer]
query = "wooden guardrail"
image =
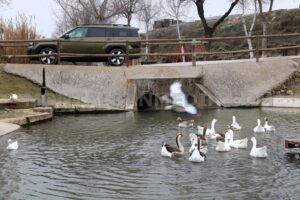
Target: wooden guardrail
x,y
193,42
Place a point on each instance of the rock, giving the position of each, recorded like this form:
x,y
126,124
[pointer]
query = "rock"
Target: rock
x,y
289,92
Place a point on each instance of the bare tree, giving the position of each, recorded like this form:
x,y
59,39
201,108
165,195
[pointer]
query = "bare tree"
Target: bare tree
x,y
148,12
245,4
76,12
176,9
209,30
127,8
265,18
4,2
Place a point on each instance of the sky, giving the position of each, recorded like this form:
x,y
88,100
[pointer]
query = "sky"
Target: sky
x,y
44,11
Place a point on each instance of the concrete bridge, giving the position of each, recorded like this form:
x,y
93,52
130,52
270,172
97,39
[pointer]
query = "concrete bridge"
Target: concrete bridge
x,y
237,83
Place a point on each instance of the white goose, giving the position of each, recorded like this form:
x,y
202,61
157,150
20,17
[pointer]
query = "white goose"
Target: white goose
x,y
212,131
12,145
235,126
202,131
239,144
267,127
197,155
170,151
185,124
194,142
259,128
258,152
223,143
13,97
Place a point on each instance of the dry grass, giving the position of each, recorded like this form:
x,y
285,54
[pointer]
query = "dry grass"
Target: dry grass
x,y
19,28
282,21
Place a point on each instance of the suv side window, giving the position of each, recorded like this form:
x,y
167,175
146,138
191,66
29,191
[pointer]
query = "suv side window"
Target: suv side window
x,y
96,32
78,32
122,32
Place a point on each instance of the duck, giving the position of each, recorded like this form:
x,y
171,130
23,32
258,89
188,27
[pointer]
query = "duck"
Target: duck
x,y
12,145
223,143
238,144
185,124
267,127
13,97
235,126
260,152
172,152
197,155
259,128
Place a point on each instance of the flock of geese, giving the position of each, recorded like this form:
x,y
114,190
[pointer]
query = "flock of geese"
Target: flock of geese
x,y
225,141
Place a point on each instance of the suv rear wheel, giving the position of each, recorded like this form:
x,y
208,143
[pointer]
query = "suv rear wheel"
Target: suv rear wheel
x,y
116,61
48,59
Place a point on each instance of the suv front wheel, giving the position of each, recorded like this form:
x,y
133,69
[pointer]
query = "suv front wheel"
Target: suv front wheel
x,y
48,58
116,61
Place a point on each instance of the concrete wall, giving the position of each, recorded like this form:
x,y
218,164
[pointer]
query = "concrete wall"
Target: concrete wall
x,y
244,83
108,88
227,83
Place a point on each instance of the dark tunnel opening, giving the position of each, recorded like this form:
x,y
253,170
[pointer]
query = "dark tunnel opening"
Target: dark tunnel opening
x,y
148,102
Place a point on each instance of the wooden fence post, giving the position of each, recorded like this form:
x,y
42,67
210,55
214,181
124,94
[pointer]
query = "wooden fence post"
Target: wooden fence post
x,y
58,51
257,49
127,53
194,52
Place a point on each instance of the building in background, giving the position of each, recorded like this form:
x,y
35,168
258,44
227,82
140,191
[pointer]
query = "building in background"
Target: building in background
x,y
163,23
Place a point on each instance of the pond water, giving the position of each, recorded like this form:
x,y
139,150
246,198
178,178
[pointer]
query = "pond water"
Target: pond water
x,y
117,156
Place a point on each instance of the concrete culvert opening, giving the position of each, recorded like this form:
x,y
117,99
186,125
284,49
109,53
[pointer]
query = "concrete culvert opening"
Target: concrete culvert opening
x,y
148,102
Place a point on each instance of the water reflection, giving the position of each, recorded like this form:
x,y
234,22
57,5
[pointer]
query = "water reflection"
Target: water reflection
x,y
117,156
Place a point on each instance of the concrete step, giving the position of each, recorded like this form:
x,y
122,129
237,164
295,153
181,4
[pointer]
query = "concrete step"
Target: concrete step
x,y
29,116
281,102
18,104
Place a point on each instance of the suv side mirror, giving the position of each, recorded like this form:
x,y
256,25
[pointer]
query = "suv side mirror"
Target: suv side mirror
x,y
67,36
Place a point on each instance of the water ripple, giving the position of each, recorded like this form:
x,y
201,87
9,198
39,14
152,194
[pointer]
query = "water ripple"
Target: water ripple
x,y
117,156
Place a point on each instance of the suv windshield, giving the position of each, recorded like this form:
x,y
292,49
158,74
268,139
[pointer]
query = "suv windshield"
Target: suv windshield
x,y
78,32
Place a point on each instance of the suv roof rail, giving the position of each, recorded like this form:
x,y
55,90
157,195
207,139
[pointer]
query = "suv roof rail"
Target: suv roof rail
x,y
106,25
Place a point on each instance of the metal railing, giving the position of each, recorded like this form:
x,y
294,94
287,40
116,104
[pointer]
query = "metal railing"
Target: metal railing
x,y
193,42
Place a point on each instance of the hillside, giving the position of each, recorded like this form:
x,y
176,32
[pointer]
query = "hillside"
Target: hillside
x,y
283,21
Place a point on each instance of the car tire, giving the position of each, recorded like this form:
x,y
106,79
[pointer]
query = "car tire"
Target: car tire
x,y
116,61
48,60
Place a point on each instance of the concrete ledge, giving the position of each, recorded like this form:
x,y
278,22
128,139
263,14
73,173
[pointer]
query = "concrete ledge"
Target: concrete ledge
x,y
85,109
6,128
18,104
40,114
281,102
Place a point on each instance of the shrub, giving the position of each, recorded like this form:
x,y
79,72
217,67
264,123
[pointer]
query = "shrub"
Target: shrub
x,y
21,27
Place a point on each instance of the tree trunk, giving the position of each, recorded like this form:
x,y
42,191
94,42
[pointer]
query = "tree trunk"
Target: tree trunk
x,y
249,41
147,47
249,33
179,37
264,40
